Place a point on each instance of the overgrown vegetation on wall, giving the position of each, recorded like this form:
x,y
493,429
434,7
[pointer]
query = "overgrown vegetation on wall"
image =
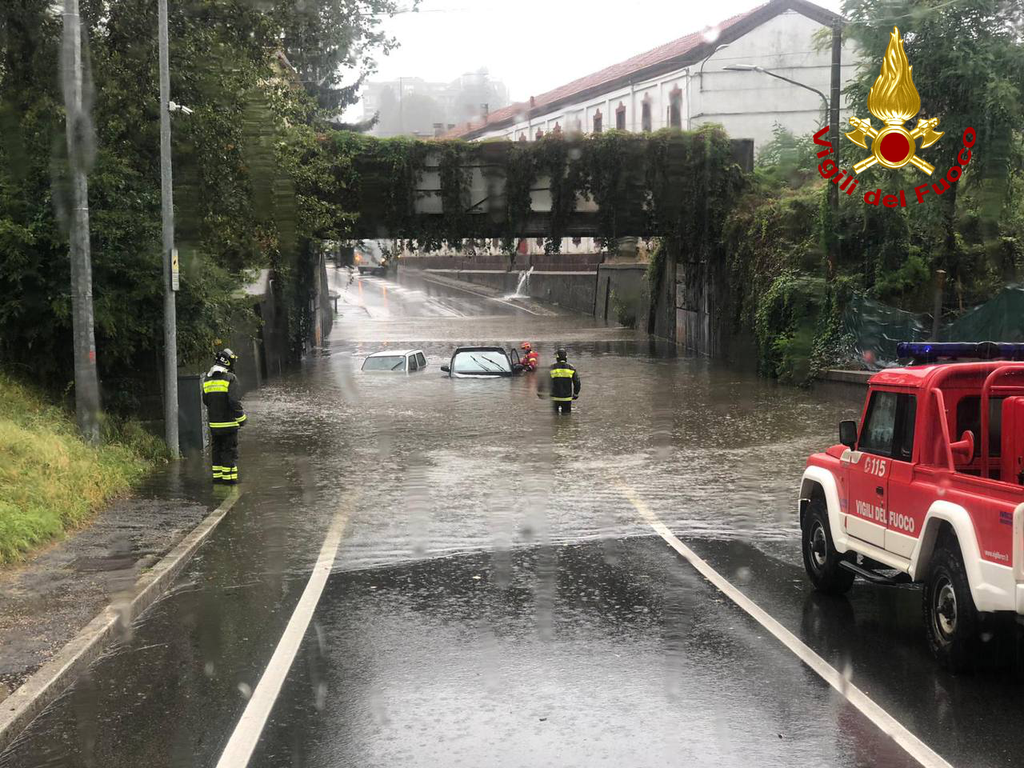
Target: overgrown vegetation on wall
x,y
634,179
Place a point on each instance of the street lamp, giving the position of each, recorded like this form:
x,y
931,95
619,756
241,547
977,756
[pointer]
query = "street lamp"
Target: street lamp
x,y
763,71
832,115
700,72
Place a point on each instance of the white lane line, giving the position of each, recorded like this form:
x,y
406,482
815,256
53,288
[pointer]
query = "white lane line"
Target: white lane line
x,y
912,745
247,733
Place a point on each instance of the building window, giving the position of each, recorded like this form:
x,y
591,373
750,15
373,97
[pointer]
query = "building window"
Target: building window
x,y
645,114
597,121
620,117
675,108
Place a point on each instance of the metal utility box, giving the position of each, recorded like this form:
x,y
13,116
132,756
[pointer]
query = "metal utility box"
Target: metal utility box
x,y
191,415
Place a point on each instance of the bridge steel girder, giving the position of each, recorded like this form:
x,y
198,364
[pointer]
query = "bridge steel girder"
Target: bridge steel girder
x,y
486,208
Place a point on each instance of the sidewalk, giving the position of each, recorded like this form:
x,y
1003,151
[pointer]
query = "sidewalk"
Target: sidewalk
x,y
47,600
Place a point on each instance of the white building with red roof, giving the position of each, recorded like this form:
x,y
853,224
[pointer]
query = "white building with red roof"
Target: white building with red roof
x,y
689,82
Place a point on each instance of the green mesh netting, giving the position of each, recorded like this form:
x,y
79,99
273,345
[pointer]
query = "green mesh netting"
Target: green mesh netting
x,y
1001,318
873,330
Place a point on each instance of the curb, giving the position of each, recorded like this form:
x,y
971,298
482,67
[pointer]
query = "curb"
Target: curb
x,y
19,709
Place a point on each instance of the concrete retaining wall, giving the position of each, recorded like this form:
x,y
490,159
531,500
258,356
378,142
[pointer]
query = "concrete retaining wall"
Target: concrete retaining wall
x,y
623,294
568,281
701,307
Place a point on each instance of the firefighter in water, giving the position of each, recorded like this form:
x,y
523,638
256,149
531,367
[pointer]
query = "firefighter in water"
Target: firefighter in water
x,y
530,359
225,414
565,383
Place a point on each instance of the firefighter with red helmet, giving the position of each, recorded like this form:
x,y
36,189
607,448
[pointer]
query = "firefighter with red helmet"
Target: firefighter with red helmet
x,y
530,359
226,415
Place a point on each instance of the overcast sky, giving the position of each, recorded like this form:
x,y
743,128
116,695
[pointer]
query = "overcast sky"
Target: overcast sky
x,y
536,45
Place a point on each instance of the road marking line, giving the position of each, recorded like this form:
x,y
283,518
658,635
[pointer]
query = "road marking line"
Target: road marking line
x,y
885,722
250,726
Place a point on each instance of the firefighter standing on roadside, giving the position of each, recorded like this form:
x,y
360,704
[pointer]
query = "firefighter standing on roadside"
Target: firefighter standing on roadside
x,y
565,383
225,414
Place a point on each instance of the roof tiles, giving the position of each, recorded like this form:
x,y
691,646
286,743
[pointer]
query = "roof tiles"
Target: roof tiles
x,y
671,50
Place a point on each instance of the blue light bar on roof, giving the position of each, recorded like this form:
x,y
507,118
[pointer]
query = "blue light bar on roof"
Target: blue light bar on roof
x,y
930,351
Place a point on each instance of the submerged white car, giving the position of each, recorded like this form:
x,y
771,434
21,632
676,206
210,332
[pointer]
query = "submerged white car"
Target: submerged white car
x,y
395,361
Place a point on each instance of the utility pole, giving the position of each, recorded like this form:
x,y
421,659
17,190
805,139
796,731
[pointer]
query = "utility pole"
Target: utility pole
x,y
940,284
833,120
169,255
87,385
401,96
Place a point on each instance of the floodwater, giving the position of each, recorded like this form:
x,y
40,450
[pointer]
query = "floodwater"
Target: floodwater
x,y
496,598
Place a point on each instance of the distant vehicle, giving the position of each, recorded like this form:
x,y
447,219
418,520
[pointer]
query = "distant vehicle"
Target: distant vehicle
x,y
396,361
369,259
482,362
930,486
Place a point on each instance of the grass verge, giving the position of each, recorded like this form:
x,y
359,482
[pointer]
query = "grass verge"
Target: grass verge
x,y
50,479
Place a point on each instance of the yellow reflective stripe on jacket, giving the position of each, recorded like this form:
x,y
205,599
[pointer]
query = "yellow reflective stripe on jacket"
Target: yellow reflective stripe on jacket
x,y
241,418
562,373
216,385
223,424
562,399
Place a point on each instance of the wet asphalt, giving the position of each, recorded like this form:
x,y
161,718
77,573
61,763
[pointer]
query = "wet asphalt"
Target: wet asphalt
x,y
496,599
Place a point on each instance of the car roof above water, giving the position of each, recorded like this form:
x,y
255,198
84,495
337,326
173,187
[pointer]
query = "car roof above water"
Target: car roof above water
x,y
394,352
479,349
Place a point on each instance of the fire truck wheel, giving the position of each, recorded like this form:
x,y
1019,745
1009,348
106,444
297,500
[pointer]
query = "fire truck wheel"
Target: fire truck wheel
x,y
821,560
950,618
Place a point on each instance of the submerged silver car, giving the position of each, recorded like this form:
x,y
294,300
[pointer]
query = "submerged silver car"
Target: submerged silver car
x,y
476,362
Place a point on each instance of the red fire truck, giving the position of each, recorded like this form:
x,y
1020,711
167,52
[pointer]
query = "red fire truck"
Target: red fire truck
x,y
930,489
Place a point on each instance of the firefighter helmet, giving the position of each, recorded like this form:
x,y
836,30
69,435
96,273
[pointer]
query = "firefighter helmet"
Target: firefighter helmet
x,y
227,358
526,346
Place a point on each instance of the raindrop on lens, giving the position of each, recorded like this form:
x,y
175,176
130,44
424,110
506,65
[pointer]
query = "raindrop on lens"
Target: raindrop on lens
x,y
245,689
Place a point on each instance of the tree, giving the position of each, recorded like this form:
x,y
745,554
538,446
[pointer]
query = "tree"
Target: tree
x,y
968,66
242,161
327,40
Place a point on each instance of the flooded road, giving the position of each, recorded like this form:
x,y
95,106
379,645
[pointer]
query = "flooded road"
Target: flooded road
x,y
497,598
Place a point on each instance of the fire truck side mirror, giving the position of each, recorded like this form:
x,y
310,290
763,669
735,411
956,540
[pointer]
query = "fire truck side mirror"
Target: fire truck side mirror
x,y
848,433
963,449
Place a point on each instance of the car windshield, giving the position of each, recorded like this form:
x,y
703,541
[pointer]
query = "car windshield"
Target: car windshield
x,y
481,361
385,363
